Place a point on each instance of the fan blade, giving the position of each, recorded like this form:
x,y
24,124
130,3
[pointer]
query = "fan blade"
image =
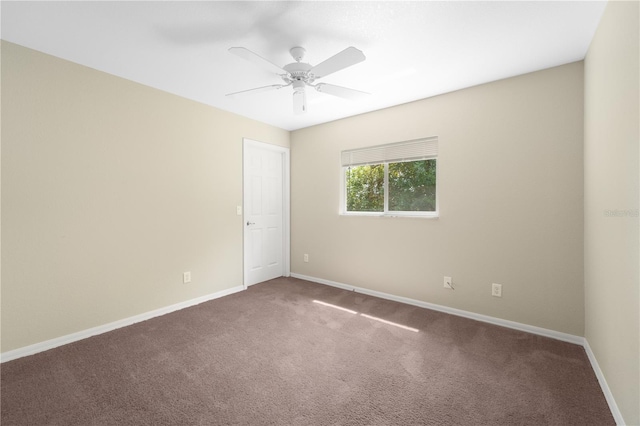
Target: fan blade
x,y
346,58
340,91
257,59
258,89
299,102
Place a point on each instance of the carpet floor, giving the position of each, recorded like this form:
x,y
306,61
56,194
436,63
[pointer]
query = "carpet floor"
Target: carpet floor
x,y
291,352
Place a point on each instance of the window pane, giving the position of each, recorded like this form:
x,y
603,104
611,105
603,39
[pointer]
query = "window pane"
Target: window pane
x,y
365,188
412,186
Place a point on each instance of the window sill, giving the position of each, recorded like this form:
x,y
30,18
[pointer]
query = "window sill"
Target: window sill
x,y
392,215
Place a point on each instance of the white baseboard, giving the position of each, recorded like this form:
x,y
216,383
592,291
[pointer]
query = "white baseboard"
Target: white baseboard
x,y
69,338
617,415
491,320
458,312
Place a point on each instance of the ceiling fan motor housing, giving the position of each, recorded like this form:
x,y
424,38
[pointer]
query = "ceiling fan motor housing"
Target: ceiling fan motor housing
x,y
298,71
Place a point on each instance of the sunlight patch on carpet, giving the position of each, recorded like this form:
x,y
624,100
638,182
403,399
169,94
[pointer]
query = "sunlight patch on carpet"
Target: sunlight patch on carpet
x,y
415,330
334,306
329,305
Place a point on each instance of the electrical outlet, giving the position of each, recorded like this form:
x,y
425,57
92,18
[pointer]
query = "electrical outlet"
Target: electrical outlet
x,y
306,258
448,283
186,277
496,290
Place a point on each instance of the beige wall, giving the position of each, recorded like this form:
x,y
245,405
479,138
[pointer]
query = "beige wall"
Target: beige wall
x,y
110,190
611,183
510,193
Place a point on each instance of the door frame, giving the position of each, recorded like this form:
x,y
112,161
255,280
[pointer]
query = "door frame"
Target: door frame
x,y
286,205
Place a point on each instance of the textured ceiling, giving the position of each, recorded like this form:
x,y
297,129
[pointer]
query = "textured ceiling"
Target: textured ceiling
x,y
414,49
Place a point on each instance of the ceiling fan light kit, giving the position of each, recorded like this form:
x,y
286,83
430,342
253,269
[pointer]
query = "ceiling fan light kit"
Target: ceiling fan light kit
x,y
300,74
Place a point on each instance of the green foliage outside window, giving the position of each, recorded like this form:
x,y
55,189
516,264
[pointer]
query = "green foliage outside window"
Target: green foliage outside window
x,y
412,187
365,188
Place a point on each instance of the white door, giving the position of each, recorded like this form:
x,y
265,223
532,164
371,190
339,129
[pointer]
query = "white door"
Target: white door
x,y
265,212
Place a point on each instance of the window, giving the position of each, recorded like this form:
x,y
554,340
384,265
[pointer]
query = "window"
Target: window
x,y
396,179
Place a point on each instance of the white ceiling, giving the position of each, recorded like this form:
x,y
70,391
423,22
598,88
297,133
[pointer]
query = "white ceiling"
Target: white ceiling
x,y
414,50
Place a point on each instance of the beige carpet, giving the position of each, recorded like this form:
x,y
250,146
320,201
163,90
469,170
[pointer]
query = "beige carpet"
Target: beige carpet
x,y
272,356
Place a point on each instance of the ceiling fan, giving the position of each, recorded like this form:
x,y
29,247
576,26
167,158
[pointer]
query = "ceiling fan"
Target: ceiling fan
x,y
300,74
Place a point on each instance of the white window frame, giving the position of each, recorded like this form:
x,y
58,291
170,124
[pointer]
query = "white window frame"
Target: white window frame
x,y
385,154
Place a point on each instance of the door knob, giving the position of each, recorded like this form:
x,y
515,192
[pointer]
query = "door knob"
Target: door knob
x,y
250,223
